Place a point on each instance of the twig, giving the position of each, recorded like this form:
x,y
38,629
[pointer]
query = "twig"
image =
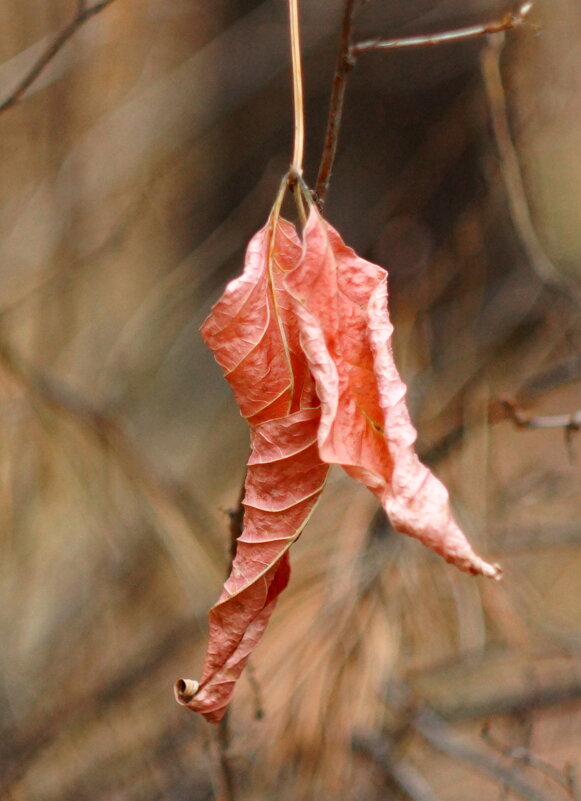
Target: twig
x,y
169,498
83,15
226,767
21,745
227,773
256,690
510,20
501,409
508,702
342,66
572,783
509,164
347,55
443,738
570,422
526,757
398,771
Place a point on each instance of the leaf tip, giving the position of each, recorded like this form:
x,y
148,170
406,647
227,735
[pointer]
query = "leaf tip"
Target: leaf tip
x,y
185,690
493,571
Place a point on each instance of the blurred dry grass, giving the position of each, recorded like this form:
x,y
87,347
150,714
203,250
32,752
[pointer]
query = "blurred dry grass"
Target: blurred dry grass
x,y
134,172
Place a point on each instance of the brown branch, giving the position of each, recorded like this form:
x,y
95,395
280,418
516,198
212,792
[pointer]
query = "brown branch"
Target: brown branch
x,y
508,701
445,739
347,54
224,735
511,172
502,409
21,744
397,770
84,14
167,497
509,411
569,423
227,774
510,20
342,66
526,757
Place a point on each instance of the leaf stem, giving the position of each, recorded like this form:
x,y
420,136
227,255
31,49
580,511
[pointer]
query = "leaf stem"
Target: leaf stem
x,y
299,137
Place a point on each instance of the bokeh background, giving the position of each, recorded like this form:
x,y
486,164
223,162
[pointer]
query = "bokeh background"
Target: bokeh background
x,y
134,170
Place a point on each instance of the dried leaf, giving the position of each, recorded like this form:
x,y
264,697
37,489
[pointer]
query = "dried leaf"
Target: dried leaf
x,y
304,338
341,302
255,338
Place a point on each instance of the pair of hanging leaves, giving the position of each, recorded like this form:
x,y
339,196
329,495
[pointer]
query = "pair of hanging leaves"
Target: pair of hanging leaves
x,y
304,339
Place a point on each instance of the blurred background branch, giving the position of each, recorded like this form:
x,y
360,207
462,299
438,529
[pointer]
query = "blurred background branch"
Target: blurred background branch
x,y
83,15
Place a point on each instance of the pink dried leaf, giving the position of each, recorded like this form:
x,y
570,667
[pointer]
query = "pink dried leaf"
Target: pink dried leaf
x,y
341,302
254,335
304,338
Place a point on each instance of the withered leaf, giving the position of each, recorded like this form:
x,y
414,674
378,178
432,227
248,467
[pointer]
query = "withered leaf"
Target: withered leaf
x,y
304,338
341,302
254,335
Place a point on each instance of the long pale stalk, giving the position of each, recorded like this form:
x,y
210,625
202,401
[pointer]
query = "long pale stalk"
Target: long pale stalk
x,y
299,114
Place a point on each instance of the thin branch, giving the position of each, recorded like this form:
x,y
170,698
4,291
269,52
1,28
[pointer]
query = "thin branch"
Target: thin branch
x,y
510,20
21,744
525,756
342,66
398,771
83,15
509,163
507,701
228,775
346,57
501,409
569,422
443,738
168,498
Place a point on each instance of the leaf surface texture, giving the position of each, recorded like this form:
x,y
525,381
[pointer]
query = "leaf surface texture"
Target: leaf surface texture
x,y
304,339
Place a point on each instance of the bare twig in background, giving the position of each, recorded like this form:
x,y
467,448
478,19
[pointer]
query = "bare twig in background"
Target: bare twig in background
x,y
227,774
501,409
555,375
443,738
398,771
83,15
508,701
569,422
348,53
510,20
525,756
21,745
511,171
342,66
224,734
509,162
170,500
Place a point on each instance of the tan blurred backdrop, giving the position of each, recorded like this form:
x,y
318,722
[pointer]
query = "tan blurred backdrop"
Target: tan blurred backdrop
x,y
133,171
